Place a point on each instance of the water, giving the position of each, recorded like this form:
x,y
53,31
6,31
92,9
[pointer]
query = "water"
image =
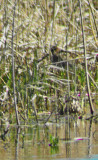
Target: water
x,y
78,139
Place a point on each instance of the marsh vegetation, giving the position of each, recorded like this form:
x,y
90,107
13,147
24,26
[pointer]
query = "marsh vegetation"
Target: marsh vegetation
x,y
48,61
48,57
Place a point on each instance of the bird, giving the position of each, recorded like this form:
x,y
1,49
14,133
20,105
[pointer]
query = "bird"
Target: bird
x,y
58,56
56,49
56,53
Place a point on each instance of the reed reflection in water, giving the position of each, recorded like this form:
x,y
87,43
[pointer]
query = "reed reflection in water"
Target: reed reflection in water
x,y
77,139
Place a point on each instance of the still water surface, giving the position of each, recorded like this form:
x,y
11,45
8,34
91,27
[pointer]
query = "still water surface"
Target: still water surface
x,y
78,139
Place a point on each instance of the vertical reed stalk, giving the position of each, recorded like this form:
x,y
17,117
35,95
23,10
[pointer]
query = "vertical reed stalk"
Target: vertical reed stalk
x,y
67,57
52,28
13,65
34,107
86,69
5,19
93,18
75,69
46,21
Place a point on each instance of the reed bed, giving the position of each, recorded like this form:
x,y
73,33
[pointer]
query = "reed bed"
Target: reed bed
x,y
48,57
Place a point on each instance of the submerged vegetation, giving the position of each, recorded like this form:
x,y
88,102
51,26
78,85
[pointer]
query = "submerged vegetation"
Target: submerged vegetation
x,y
48,58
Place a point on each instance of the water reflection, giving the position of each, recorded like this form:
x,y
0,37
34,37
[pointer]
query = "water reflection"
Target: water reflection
x,y
17,143
77,139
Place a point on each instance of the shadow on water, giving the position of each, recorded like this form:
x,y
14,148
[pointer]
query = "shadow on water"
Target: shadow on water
x,y
70,138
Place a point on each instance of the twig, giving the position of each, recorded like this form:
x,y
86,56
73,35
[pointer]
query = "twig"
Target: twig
x,y
49,116
93,80
43,57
